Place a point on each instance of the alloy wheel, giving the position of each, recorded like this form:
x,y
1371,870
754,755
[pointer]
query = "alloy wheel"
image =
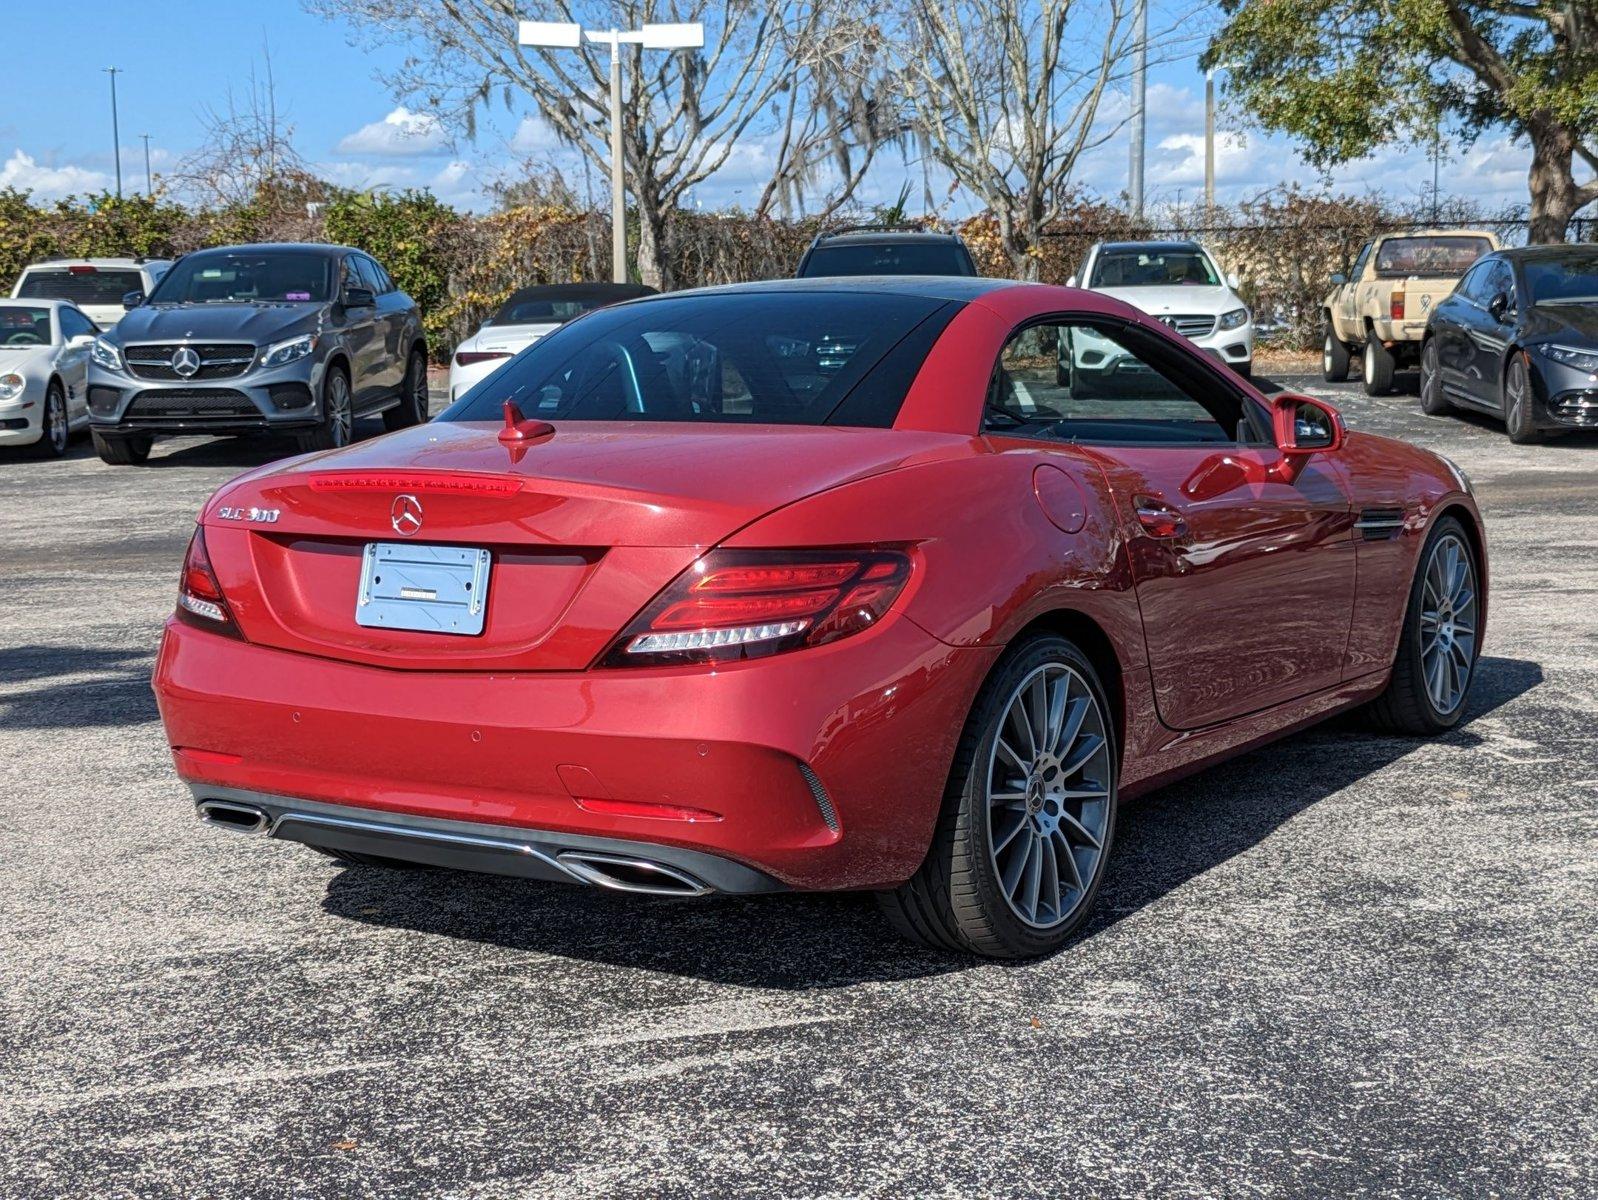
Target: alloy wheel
x,y
1326,355
1048,782
55,421
340,418
1448,623
419,398
1515,394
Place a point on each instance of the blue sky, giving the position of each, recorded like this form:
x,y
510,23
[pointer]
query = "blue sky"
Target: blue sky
x,y
182,55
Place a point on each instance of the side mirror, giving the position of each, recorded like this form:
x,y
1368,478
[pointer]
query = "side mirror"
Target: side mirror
x,y
1498,306
82,341
1233,282
1303,426
1071,282
359,297
132,300
1339,279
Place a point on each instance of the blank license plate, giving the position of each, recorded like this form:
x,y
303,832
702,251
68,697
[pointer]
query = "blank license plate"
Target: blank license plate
x,y
435,589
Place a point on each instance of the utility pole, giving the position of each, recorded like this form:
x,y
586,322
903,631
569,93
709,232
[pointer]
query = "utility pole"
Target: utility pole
x,y
1437,156
1140,88
149,180
1209,143
116,135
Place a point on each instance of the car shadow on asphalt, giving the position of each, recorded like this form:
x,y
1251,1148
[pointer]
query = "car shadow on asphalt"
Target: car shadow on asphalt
x,y
69,687
811,941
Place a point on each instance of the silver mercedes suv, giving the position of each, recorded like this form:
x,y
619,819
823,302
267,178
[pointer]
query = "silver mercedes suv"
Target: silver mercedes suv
x,y
290,339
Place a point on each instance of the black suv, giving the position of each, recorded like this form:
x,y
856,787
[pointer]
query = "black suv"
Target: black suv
x,y
885,250
288,339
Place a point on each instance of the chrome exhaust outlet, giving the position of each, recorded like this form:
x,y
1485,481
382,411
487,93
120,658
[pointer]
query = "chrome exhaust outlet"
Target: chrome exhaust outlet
x,y
622,874
227,814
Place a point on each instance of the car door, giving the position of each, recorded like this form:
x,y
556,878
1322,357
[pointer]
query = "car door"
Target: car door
x,y
362,335
1491,332
77,336
1244,576
390,319
1451,328
1348,300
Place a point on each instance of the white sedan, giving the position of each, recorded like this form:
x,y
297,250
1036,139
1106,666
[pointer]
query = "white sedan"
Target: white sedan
x,y
527,316
44,360
1181,285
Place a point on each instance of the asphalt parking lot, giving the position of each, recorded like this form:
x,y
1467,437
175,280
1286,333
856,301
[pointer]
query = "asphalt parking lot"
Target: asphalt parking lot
x,y
1346,963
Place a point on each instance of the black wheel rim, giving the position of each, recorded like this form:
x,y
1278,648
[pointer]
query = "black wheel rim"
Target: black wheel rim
x,y
339,418
419,389
1048,793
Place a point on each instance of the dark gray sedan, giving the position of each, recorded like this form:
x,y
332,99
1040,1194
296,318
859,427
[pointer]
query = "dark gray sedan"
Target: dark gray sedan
x,y
1518,338
291,339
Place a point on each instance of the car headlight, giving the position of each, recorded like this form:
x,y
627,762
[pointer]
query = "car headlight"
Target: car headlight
x,y
1234,319
11,386
289,351
106,355
1571,356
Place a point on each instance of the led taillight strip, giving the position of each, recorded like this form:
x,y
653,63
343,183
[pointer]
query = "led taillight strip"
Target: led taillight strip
x,y
388,481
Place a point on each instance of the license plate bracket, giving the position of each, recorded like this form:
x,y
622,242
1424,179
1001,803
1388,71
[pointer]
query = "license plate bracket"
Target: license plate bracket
x,y
428,589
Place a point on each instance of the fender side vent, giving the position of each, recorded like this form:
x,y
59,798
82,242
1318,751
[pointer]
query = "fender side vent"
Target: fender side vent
x,y
1380,524
823,801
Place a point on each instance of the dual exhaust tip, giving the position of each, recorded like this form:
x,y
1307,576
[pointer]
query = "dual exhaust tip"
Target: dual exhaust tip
x,y
617,872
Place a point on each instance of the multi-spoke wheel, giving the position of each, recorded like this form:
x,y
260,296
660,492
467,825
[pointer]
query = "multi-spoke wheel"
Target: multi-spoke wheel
x,y
1432,401
56,431
1518,417
1441,639
1048,795
337,427
1029,816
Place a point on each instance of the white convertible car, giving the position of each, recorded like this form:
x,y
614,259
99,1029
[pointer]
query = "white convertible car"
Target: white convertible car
x,y
527,316
44,359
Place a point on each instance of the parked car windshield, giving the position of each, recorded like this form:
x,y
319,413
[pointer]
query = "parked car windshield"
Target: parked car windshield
x,y
1402,256
1152,268
24,325
80,285
1572,280
809,358
888,258
245,278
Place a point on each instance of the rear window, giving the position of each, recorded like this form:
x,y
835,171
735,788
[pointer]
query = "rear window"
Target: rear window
x,y
889,258
84,286
814,358
1439,256
537,312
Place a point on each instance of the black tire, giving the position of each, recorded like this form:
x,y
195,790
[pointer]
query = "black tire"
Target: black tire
x,y
1432,400
351,858
957,900
1515,394
337,426
55,432
125,450
1335,358
1407,707
1379,367
412,408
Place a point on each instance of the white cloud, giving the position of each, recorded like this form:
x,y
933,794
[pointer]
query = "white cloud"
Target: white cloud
x,y
47,182
534,135
402,132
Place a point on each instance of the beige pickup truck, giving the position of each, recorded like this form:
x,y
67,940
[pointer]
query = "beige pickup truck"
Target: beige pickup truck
x,y
1379,308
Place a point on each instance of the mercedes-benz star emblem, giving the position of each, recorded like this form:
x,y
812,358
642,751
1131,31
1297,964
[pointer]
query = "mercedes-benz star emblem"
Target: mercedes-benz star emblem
x,y
405,515
185,361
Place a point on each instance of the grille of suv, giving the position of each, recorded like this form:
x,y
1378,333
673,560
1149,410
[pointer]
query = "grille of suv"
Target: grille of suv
x,y
1195,325
192,403
217,361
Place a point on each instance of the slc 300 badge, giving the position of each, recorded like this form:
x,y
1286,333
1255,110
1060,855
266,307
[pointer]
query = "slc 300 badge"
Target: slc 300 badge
x,y
265,515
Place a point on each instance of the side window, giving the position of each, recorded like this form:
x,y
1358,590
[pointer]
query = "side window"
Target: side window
x,y
1474,285
371,276
1501,280
1358,268
75,324
350,275
1109,385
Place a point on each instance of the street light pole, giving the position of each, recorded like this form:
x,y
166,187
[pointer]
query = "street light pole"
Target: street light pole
x,y
567,35
116,135
149,180
1140,82
1209,142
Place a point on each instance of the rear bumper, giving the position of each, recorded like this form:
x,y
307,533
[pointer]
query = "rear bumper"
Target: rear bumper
x,y
474,846
821,769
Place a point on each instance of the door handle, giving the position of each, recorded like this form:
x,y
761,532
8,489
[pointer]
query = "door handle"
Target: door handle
x,y
1158,518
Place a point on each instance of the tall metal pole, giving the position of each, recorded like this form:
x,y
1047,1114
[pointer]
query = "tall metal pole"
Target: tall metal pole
x,y
116,134
149,179
618,191
1140,82
1437,155
1209,143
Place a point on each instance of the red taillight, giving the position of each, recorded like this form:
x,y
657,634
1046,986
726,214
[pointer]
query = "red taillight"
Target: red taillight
x,y
736,604
1396,306
467,358
83,270
200,599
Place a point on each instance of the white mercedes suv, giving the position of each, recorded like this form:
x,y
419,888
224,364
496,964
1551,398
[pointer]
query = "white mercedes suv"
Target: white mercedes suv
x,y
1181,284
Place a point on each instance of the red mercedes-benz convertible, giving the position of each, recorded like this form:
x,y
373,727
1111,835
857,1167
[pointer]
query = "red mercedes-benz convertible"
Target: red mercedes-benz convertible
x,y
888,584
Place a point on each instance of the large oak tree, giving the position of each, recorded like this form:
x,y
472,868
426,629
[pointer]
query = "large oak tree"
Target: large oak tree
x,y
1344,77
